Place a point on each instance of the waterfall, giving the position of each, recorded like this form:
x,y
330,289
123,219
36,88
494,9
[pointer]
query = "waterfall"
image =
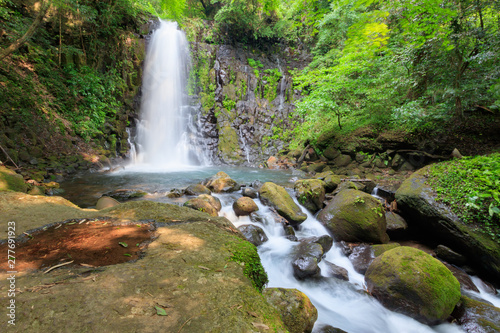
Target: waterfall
x,y
162,132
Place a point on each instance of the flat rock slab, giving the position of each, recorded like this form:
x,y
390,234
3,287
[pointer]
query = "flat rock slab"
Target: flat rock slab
x,y
186,281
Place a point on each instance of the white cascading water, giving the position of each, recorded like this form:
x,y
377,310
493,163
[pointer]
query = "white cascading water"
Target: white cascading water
x,y
162,130
340,304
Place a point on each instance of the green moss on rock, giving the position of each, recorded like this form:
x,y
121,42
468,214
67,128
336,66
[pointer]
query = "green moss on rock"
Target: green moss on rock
x,y
355,216
378,249
245,253
418,200
310,193
229,149
276,196
11,181
412,282
295,308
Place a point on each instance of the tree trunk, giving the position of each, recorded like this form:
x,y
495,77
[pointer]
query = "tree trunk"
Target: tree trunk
x,y
31,30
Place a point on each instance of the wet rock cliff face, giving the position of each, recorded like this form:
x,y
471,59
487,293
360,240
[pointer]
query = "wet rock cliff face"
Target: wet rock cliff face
x,y
245,100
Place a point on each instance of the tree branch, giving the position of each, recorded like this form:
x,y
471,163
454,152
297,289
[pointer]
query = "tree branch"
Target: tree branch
x,y
31,30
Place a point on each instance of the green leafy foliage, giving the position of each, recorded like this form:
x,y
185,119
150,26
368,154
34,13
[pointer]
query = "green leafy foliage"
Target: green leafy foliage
x,y
401,65
471,188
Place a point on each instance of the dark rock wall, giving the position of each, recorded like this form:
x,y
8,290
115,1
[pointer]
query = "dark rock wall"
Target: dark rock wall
x,y
245,100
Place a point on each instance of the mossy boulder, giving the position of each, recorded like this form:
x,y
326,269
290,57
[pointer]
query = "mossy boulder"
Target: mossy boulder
x,y
378,249
342,160
476,316
354,216
412,282
438,223
197,189
202,206
244,206
221,182
11,181
215,202
295,308
277,197
310,193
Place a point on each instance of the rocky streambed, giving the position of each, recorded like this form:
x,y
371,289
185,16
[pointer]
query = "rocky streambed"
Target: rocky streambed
x,y
354,267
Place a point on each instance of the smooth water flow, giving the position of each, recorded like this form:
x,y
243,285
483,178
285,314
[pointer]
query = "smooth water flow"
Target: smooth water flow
x,y
162,129
340,304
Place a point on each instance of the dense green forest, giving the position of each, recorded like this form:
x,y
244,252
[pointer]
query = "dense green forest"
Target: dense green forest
x,y
404,65
420,68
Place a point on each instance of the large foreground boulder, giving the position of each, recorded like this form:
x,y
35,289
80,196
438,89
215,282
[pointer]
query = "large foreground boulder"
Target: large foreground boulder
x,y
310,193
437,222
277,197
221,183
11,181
295,308
193,263
354,216
412,282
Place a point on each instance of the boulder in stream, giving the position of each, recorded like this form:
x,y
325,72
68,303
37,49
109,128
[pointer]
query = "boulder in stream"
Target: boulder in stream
x,y
337,271
361,258
253,234
295,308
244,206
277,197
412,282
202,206
221,183
126,194
310,193
197,189
477,316
249,192
355,216
211,200
307,255
436,222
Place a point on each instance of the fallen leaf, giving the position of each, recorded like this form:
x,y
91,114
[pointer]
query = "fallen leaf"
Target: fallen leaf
x,y
203,267
160,311
260,325
123,244
127,254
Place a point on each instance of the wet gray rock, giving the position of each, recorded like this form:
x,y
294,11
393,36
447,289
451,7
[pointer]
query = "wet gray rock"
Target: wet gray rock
x,y
290,233
249,192
361,258
396,225
253,234
197,189
306,267
337,271
306,259
448,255
126,194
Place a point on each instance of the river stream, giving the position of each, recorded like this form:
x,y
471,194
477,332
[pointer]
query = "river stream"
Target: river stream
x,y
340,304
